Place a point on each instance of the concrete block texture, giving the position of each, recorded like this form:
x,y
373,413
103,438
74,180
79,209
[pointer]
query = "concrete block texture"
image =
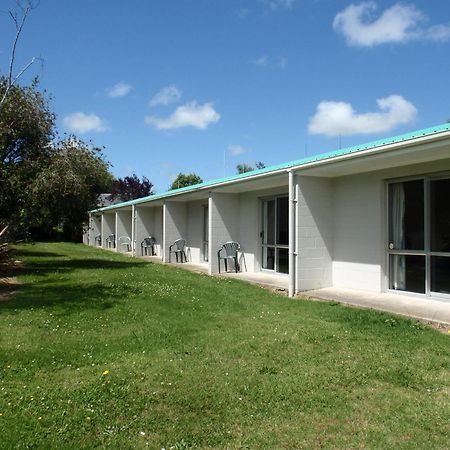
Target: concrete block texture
x,y
224,224
124,225
175,224
108,226
314,232
148,222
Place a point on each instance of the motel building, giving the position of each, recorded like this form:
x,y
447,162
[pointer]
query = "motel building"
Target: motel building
x,y
370,218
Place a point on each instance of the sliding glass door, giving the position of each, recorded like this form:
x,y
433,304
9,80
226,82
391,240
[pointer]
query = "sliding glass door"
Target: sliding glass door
x,y
275,234
419,236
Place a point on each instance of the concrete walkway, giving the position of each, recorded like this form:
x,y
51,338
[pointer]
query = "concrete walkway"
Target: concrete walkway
x,y
278,282
419,308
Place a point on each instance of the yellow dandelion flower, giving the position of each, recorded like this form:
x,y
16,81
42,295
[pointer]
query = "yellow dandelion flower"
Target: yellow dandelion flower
x,y
105,372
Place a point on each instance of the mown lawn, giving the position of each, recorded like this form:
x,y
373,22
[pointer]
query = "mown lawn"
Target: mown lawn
x,y
103,351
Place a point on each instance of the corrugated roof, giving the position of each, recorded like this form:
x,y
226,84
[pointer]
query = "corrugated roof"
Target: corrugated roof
x,y
296,163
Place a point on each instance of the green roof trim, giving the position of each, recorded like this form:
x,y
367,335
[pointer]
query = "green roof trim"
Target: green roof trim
x,y
299,162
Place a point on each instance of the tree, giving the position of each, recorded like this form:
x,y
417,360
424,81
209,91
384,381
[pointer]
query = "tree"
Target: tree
x,y
67,187
243,168
26,133
130,188
185,179
43,185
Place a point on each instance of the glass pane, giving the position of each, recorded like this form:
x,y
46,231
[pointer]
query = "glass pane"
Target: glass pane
x,y
282,221
269,258
407,273
283,260
269,221
440,274
440,215
406,215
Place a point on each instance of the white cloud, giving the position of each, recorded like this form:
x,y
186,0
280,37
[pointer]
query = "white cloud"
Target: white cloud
x,y
236,149
166,96
119,90
189,115
262,61
275,4
339,118
398,24
80,122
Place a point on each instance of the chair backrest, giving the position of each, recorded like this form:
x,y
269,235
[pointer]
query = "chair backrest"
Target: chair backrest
x,y
124,240
111,238
231,248
180,244
149,241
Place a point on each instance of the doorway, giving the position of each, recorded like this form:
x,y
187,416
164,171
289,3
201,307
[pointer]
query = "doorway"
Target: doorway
x,y
275,234
419,236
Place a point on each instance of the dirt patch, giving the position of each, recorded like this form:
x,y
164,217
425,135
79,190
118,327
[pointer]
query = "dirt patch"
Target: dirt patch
x,y
8,286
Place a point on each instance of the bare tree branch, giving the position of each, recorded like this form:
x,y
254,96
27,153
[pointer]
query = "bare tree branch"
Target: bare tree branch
x,y
11,79
19,27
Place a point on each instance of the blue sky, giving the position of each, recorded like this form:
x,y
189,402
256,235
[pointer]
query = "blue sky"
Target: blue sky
x,y
172,86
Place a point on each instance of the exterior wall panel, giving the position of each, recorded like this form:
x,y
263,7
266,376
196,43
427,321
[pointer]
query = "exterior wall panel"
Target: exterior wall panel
x,y
314,233
224,224
108,226
175,223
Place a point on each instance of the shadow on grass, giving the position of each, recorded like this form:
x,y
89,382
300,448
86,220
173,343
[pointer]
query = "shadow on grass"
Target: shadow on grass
x,y
42,268
32,253
69,298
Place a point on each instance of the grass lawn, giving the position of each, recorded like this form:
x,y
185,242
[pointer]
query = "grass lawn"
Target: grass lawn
x,y
103,351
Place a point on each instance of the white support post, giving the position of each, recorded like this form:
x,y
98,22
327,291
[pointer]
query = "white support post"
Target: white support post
x,y
115,231
102,230
133,230
210,255
164,212
292,253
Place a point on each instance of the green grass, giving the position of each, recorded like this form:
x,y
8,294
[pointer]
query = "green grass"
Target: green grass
x,y
97,349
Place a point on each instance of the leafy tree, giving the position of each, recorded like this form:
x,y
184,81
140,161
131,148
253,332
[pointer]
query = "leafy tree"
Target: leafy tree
x,y
26,133
44,186
130,188
243,168
67,187
185,179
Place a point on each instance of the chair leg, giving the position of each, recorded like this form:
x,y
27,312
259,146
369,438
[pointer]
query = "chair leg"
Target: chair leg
x,y
219,263
226,265
235,265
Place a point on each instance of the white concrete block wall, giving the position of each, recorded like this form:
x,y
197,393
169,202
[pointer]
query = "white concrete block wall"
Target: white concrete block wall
x,y
314,232
224,224
194,230
144,224
95,229
108,226
175,224
360,222
357,226
124,226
